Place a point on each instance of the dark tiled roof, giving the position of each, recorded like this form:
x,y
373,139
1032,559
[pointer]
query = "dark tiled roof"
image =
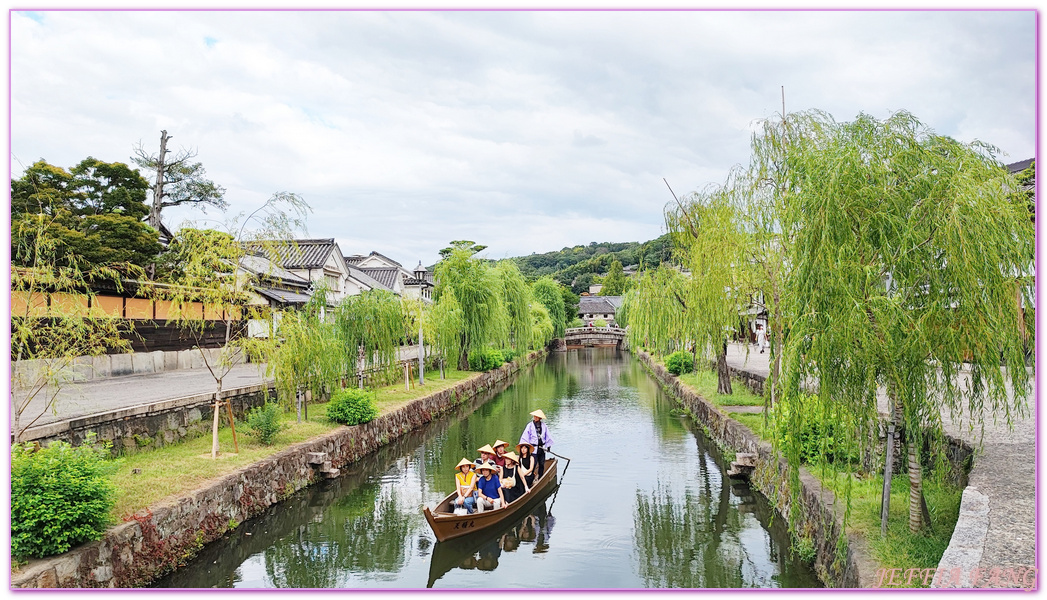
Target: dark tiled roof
x,y
353,259
297,254
265,269
380,255
387,276
1021,165
359,275
282,296
596,305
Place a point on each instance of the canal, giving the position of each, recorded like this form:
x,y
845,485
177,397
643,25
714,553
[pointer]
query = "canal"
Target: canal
x,y
643,503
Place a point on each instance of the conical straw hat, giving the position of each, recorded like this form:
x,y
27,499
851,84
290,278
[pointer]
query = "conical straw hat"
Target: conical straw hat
x,y
465,463
538,413
512,456
499,443
486,448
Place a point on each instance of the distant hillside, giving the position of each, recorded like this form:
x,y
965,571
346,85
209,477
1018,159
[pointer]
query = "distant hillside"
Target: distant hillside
x,y
575,267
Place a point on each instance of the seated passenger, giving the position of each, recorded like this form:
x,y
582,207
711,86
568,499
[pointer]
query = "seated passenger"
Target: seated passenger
x,y
486,454
489,488
466,482
527,463
499,452
513,484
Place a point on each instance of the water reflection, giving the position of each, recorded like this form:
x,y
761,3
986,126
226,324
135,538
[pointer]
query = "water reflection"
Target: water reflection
x,y
644,504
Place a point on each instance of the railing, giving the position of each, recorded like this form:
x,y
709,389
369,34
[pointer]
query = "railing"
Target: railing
x,y
617,331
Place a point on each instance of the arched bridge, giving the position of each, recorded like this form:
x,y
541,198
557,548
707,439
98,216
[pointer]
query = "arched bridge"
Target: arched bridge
x,y
588,337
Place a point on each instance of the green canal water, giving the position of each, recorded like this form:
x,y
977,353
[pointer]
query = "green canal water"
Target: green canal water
x,y
644,503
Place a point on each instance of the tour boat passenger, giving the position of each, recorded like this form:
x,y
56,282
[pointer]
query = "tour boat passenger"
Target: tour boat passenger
x,y
489,488
486,454
513,484
465,479
526,463
499,452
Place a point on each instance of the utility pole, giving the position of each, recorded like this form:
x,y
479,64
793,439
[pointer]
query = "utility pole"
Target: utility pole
x,y
158,187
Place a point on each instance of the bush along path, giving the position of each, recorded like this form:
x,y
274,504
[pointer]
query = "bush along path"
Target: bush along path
x,y
168,532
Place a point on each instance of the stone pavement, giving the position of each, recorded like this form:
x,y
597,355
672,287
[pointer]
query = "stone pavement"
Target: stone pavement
x,y
997,524
103,395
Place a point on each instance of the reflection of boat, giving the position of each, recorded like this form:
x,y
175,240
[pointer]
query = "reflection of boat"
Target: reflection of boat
x,y
447,525
462,552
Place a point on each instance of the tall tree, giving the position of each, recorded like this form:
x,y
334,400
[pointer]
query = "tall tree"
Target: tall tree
x,y
547,291
908,246
516,298
372,323
478,292
178,180
614,281
95,211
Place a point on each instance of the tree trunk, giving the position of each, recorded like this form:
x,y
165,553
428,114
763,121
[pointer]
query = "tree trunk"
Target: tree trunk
x,y
158,187
723,374
916,500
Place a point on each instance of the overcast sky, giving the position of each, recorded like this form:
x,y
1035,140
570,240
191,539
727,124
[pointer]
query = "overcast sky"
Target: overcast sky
x,y
524,131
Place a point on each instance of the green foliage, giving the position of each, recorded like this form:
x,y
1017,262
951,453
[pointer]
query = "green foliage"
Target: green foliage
x,y
614,282
576,322
351,406
184,181
485,359
60,497
94,212
548,292
599,323
373,320
679,362
541,326
479,293
508,354
264,422
516,297
576,267
813,428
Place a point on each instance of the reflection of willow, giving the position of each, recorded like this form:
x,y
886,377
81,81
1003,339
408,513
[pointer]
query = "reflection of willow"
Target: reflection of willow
x,y
364,533
689,541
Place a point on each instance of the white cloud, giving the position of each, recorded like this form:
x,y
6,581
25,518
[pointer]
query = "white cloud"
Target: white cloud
x,y
523,131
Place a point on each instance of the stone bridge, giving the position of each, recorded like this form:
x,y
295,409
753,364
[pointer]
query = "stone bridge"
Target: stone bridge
x,y
588,337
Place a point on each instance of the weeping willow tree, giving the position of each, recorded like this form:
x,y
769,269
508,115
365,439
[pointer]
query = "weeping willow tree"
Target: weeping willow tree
x,y
207,283
305,354
542,328
907,247
708,242
370,327
547,291
479,293
444,322
516,298
655,311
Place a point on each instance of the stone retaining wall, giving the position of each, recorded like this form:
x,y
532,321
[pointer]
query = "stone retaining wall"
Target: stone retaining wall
x,y
166,536
154,424
821,516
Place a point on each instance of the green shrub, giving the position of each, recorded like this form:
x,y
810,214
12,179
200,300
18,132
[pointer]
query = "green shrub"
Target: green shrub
x,y
60,497
575,323
679,362
264,422
599,323
351,406
485,359
508,354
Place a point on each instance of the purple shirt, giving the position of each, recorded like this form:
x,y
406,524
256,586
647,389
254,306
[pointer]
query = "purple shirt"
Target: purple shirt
x,y
530,436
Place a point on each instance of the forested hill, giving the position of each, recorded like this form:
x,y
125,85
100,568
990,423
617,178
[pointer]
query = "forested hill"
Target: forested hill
x,y
575,267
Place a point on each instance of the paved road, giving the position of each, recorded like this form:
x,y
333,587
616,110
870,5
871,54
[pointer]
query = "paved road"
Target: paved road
x,y
997,526
103,395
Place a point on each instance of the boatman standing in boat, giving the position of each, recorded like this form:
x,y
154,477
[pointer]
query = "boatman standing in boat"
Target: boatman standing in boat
x,y
537,434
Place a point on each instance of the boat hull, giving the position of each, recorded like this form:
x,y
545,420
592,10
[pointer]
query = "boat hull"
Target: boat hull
x,y
447,525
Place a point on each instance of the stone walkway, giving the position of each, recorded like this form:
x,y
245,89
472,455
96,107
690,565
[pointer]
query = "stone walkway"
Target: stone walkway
x,y
997,524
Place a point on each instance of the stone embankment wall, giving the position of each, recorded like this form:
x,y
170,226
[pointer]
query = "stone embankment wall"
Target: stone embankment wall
x,y
166,536
821,515
154,424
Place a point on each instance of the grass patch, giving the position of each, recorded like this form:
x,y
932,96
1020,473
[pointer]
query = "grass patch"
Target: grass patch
x,y
753,421
179,468
705,382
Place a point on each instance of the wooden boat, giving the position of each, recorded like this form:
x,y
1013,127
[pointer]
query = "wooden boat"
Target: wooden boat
x,y
447,525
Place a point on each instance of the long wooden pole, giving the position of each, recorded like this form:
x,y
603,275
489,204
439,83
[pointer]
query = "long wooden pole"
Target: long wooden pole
x,y
232,425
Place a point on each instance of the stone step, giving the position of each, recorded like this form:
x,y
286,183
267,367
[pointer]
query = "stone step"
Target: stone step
x,y
331,474
316,458
745,458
